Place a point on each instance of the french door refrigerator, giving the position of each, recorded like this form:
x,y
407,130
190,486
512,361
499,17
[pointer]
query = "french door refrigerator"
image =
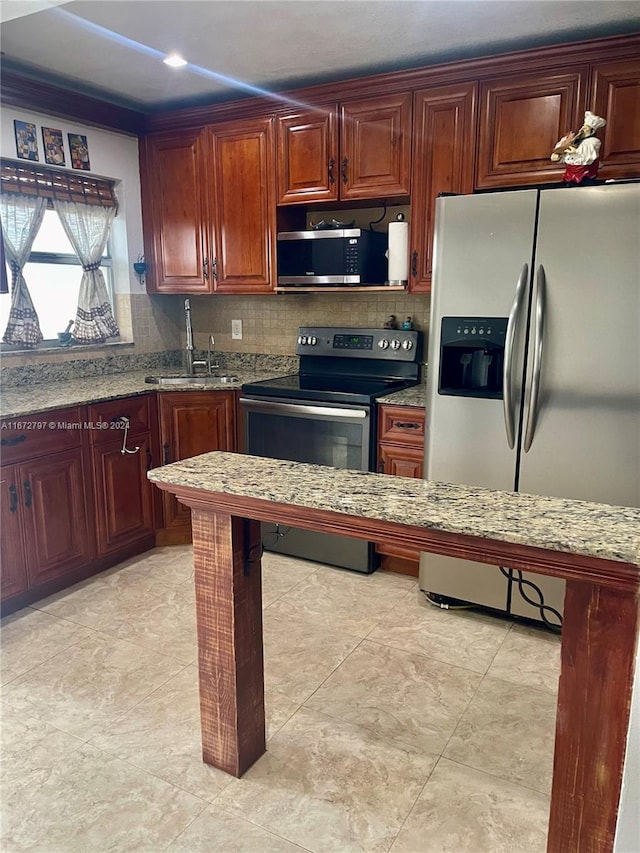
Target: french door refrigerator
x,y
533,380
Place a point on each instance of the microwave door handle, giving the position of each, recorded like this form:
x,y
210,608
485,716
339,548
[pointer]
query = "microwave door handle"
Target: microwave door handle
x,y
507,370
533,397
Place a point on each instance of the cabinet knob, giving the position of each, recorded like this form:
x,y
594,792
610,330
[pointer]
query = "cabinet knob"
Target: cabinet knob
x,y
214,268
205,268
13,498
28,495
403,425
166,458
343,170
414,264
332,163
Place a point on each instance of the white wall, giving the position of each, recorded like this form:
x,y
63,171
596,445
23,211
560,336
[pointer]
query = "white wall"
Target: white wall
x,y
112,155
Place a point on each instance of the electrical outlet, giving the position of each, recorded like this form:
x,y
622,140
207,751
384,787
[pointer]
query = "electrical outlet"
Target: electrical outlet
x,y
236,330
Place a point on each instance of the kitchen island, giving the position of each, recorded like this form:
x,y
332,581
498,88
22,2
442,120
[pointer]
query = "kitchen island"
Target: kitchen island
x,y
595,548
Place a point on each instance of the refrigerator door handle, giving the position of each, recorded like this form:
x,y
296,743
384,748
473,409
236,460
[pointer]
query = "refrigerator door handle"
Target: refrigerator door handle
x,y
538,335
507,370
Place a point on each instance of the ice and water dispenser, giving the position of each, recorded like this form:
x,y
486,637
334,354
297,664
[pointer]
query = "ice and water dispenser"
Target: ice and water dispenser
x,y
472,356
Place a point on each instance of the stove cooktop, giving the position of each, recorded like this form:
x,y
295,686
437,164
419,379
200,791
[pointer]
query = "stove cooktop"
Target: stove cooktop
x,y
337,389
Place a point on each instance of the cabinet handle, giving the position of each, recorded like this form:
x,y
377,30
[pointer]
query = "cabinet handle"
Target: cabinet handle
x,y
343,170
214,268
11,442
332,163
205,264
149,459
13,496
401,425
165,459
381,466
28,495
414,264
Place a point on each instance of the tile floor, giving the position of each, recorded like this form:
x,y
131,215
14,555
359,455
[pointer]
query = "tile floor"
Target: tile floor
x,y
392,725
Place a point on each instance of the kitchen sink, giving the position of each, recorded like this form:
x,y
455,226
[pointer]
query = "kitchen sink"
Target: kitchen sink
x,y
197,379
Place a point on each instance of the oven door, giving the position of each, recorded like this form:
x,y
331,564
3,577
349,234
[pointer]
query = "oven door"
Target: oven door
x,y
338,435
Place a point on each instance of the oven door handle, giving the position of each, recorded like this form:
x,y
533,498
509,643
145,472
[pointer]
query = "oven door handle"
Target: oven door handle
x,y
301,409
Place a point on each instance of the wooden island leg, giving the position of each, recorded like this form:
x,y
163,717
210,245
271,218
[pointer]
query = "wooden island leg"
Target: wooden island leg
x,y
226,551
599,639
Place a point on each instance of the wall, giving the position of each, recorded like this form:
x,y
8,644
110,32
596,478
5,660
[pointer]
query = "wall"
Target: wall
x,y
148,325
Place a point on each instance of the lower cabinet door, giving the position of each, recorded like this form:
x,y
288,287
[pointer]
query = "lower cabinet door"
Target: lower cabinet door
x,y
123,496
13,567
54,511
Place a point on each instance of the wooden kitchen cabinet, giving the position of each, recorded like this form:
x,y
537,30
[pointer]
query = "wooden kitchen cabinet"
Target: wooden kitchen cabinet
x,y
521,119
443,161
13,565
241,158
124,498
400,454
616,97
176,233
357,150
191,423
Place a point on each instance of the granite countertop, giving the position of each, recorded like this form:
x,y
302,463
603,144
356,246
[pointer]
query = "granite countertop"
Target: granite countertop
x,y
595,530
46,396
414,396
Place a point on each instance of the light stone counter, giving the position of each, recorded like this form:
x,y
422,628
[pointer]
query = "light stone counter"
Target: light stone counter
x,y
575,527
414,396
42,397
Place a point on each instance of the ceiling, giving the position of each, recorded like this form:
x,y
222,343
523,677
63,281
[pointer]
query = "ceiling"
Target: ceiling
x,y
113,49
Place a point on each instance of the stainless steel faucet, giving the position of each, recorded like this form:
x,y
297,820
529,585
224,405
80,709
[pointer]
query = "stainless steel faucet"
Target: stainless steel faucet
x,y
189,347
210,346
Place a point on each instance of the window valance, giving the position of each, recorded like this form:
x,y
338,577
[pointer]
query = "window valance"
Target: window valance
x,y
32,180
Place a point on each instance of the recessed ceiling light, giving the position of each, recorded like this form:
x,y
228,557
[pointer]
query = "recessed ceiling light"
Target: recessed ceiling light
x,y
174,60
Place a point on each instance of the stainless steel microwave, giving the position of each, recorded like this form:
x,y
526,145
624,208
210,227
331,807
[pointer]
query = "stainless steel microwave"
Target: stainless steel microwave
x,y
335,256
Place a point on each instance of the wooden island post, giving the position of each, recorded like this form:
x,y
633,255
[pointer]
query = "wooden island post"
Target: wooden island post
x,y
595,548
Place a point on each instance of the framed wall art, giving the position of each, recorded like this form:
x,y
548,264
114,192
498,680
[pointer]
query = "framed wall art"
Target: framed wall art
x,y
53,146
26,140
79,151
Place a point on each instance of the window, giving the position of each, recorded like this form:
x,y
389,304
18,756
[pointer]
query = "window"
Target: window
x,y
53,273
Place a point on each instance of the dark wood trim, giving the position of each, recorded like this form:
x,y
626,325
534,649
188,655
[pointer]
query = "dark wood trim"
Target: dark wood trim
x,y
16,90
599,640
624,577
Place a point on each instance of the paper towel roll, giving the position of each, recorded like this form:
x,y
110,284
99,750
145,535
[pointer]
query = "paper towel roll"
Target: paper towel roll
x,y
398,253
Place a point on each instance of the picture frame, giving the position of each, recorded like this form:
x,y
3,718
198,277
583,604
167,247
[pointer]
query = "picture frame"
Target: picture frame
x,y
79,151
26,140
53,144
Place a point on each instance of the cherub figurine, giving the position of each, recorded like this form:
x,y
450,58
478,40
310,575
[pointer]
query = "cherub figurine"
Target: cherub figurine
x,y
579,150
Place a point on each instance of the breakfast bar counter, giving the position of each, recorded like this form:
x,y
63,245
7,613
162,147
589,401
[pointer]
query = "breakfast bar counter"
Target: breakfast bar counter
x,y
594,547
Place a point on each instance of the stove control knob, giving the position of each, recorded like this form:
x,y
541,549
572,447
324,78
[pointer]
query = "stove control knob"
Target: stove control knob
x,y
407,345
313,341
299,339
395,344
383,343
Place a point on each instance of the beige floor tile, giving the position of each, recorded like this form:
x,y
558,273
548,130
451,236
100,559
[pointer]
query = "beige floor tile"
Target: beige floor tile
x,y
329,786
89,685
280,574
529,656
463,637
298,656
60,795
407,699
215,830
509,731
342,601
29,637
466,811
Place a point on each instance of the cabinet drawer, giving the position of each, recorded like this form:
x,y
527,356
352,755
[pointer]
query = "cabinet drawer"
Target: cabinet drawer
x,y
107,418
40,434
401,424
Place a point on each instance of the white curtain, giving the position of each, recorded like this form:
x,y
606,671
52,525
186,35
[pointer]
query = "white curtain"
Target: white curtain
x,y
21,219
87,227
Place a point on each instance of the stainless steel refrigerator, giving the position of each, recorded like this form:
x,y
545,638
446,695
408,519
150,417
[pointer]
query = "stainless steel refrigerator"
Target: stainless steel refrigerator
x,y
533,380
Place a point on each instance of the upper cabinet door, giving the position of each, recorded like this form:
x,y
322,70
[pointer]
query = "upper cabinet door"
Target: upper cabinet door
x,y
242,167
173,185
308,156
616,97
375,147
443,159
521,120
